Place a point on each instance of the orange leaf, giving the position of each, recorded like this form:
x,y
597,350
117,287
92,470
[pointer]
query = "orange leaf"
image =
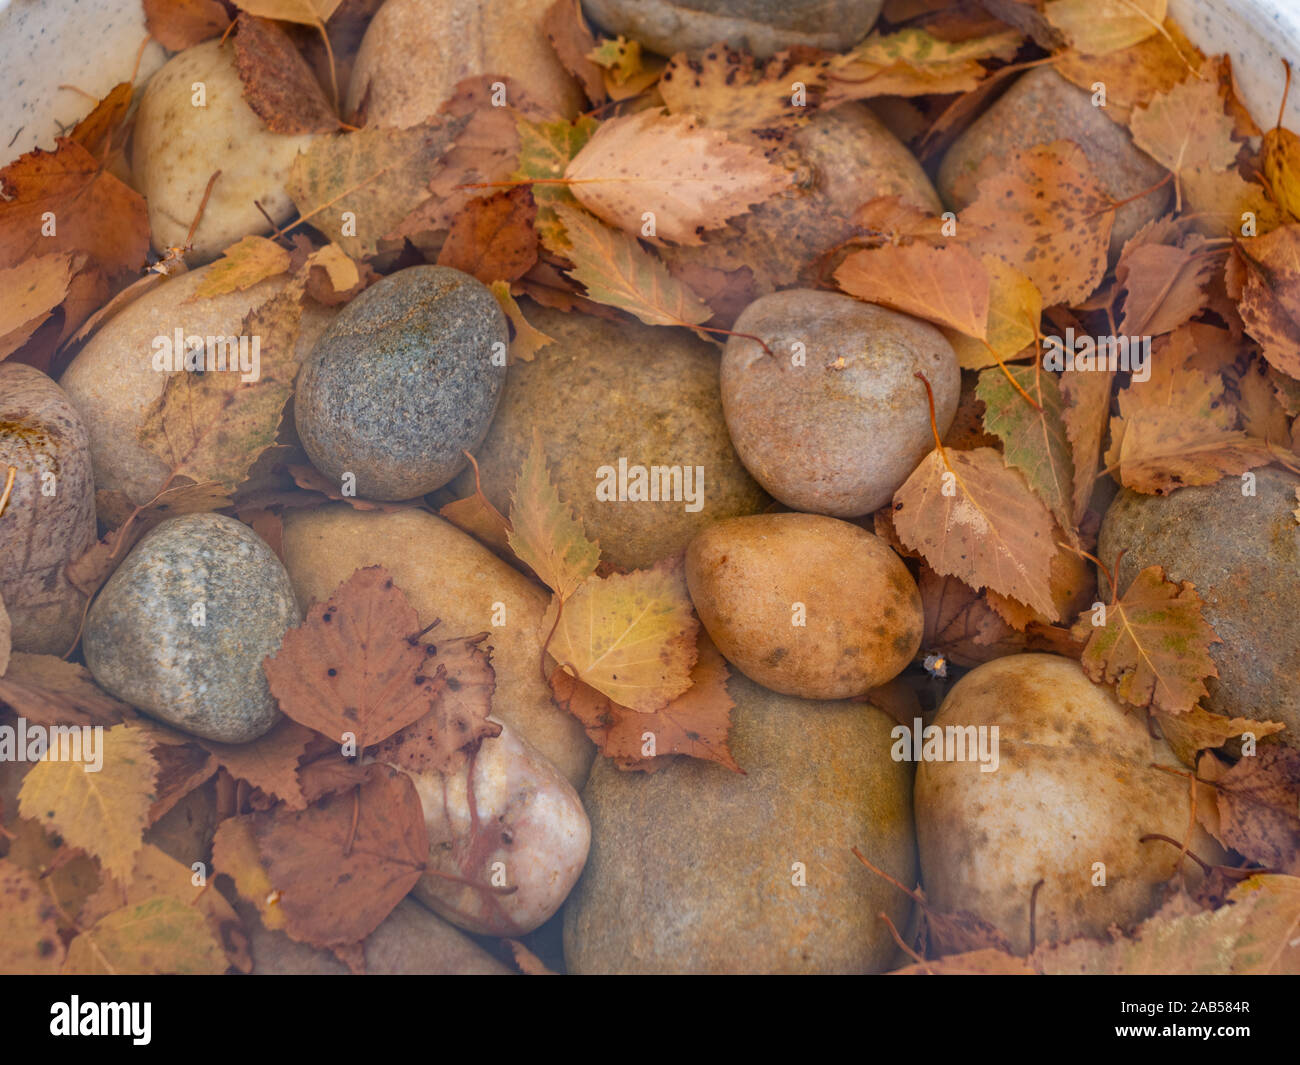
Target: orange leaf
x,y
947,286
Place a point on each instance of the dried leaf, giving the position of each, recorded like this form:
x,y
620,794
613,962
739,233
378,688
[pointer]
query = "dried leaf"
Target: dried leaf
x,y
29,929
105,812
1085,413
1270,296
1197,729
694,724
181,24
730,90
1164,284
947,286
1015,310
1259,807
49,691
1047,216
32,291
1186,127
354,666
278,82
242,266
1098,27
476,515
269,762
527,340
573,41
631,636
973,518
545,534
545,151
304,12
1280,160
1155,646
160,936
493,237
665,177
617,271
975,963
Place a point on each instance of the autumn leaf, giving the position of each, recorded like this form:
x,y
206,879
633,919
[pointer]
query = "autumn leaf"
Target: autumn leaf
x,y
476,515
1186,127
545,151
354,665
1164,281
377,176
181,24
333,277
492,238
1015,310
104,813
242,266
1154,648
49,691
269,762
341,865
211,427
573,41
694,724
1034,441
1197,729
686,177
29,930
973,518
1047,216
94,211
1216,201
913,62
305,12
278,82
527,340
458,721
32,291
960,624
1097,27
947,286
1085,414
544,533
1270,295
97,131
1259,805
730,90
1164,450
159,936
618,272
631,636
986,962
1254,935
1280,160
620,57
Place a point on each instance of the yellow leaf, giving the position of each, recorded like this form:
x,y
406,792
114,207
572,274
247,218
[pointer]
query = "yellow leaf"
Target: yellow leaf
x,y
1280,156
29,930
160,936
544,532
242,266
304,12
527,341
1097,27
1015,309
629,635
235,853
104,813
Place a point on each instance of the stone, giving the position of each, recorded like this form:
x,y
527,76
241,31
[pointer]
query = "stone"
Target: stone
x,y
404,380
112,381
178,146
694,869
410,941
842,159
49,520
762,27
1243,555
805,605
1042,107
517,824
1073,784
416,51
148,642
840,432
449,575
608,397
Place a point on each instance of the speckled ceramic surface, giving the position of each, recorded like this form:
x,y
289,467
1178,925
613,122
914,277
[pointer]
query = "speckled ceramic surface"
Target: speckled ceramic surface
x,y
91,44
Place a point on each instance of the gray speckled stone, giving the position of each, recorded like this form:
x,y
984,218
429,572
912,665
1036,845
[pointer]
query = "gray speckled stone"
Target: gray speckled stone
x,y
760,26
839,434
691,869
41,434
1042,107
140,643
402,382
1243,555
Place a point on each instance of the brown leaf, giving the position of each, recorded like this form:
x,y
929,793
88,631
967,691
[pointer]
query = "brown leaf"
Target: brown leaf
x,y
33,289
49,691
182,767
492,238
572,40
526,961
1186,127
664,177
1197,729
476,515
960,624
269,763
278,84
1086,413
1164,284
341,865
97,130
947,286
1046,215
526,341
729,90
354,665
1155,645
973,518
93,211
440,741
694,724
181,24
1270,296
1259,807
